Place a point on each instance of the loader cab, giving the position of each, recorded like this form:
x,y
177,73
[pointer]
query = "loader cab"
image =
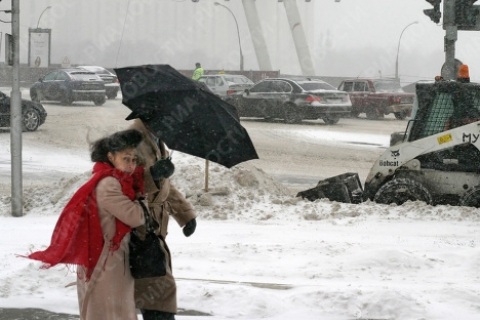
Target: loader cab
x,y
441,106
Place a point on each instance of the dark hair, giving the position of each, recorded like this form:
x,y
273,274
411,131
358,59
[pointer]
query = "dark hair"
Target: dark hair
x,y
118,141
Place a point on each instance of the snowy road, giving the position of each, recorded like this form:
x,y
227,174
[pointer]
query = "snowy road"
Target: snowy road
x,y
300,155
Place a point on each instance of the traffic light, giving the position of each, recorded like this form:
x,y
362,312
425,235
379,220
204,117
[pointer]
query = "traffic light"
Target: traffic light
x,y
467,15
434,13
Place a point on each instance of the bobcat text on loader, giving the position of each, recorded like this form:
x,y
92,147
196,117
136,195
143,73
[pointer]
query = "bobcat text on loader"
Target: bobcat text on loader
x,y
436,159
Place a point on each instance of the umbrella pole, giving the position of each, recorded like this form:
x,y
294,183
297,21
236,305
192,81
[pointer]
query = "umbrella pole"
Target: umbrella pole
x,y
206,175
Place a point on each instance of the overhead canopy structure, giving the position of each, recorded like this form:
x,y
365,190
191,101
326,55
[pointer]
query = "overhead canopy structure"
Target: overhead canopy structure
x,y
296,28
298,34
256,33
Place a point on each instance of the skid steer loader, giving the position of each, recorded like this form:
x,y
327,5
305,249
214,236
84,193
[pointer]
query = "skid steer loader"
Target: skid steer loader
x,y
436,159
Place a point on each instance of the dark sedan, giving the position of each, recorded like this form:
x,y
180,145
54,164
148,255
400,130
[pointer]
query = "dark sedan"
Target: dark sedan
x,y
69,85
112,86
293,101
33,113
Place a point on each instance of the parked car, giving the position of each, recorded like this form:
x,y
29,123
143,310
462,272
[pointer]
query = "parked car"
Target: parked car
x,y
378,97
225,85
69,85
293,101
33,113
112,85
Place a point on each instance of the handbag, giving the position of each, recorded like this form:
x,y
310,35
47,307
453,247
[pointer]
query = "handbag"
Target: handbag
x,y
147,259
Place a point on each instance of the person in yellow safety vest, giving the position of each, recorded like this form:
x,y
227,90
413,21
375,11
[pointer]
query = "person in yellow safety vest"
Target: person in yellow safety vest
x,y
198,71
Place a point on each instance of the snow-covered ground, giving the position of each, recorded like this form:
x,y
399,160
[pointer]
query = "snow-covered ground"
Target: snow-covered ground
x,y
258,251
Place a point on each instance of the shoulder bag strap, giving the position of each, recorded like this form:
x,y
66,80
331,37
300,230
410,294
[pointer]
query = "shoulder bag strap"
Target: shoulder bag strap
x,y
148,217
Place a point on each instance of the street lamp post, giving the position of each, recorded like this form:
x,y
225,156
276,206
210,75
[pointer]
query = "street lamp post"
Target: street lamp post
x,y
38,23
238,33
398,48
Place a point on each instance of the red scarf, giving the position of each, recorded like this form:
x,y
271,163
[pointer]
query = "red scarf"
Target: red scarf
x,y
78,238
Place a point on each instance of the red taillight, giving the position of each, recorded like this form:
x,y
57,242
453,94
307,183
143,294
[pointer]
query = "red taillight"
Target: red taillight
x,y
230,92
395,100
313,98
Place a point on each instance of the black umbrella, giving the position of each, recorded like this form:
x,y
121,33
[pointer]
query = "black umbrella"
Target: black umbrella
x,y
185,114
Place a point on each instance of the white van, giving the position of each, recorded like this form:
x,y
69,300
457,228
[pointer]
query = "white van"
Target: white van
x,y
224,85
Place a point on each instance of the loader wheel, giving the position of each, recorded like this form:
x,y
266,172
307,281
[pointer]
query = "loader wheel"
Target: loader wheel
x,y
400,190
471,198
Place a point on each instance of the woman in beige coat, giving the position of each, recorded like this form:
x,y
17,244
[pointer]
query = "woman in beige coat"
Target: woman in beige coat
x,y
93,231
157,297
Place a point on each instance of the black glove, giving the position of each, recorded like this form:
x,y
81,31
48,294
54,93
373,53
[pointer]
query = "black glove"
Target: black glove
x,y
189,228
163,168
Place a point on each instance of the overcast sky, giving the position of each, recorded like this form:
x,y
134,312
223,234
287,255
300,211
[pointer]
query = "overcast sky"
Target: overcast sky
x,y
346,38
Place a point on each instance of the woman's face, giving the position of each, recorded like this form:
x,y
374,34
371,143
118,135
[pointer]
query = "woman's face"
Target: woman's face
x,y
125,161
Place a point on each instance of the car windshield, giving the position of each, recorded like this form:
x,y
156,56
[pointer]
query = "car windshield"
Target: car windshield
x,y
387,86
239,80
83,75
311,86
